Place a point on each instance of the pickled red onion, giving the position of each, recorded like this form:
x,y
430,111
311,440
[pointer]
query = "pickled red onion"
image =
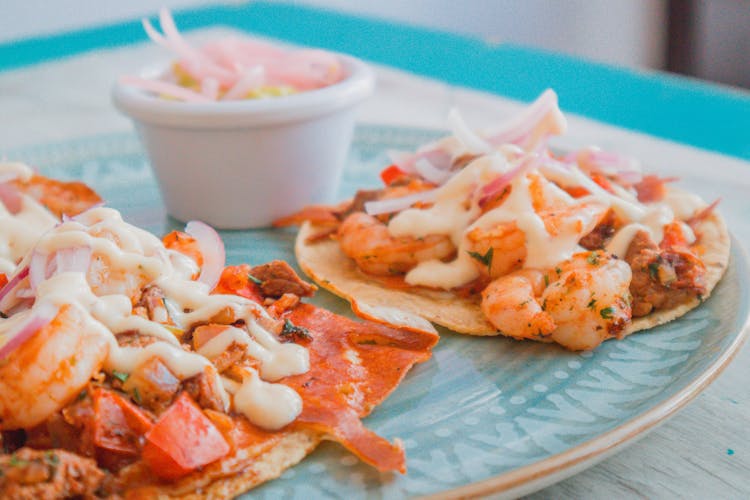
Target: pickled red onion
x,y
14,281
72,259
40,316
212,250
228,61
498,184
527,129
390,205
166,88
430,172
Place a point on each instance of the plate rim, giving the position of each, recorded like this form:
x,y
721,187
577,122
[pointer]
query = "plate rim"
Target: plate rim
x,y
537,475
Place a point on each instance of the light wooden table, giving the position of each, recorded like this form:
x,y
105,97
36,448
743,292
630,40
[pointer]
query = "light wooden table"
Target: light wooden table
x,y
703,452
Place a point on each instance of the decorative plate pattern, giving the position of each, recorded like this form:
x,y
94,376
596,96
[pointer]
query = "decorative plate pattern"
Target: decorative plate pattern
x,y
483,409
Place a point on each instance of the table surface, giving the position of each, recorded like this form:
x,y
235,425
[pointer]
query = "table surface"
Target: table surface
x,y
57,88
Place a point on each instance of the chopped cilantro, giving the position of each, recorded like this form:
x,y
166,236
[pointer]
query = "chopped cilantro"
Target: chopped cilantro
x,y
558,271
82,395
546,281
607,312
254,279
485,259
292,331
592,303
17,462
137,395
593,259
121,376
51,458
653,270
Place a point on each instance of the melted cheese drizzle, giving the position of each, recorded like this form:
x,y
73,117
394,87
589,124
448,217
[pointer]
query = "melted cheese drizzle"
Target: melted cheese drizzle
x,y
133,259
19,232
456,212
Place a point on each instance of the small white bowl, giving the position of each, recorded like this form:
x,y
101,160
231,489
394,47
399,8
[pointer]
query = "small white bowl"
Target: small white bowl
x,y
243,164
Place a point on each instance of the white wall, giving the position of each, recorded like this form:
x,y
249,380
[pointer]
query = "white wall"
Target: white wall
x,y
626,32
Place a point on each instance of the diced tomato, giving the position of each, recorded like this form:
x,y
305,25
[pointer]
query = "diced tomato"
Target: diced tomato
x,y
236,280
118,424
577,191
673,236
182,440
3,280
390,174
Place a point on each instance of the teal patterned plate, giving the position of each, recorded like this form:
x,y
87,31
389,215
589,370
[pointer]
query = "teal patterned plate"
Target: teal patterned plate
x,y
484,414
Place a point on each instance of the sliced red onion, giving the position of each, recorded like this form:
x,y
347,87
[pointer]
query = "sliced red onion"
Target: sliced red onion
x,y
210,88
498,184
520,129
471,141
40,316
430,172
212,250
624,169
11,198
37,269
74,259
14,281
162,87
391,205
251,79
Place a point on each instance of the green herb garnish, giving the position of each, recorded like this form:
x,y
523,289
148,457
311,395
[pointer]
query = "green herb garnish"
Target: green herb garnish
x,y
293,331
51,458
607,312
137,395
591,304
485,259
121,376
17,462
546,281
653,270
593,259
254,279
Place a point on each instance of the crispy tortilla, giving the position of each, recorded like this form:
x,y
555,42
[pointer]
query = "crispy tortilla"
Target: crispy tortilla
x,y
327,265
383,356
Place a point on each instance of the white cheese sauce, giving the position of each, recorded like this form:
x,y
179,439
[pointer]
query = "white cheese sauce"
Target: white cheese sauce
x,y
139,258
456,212
19,231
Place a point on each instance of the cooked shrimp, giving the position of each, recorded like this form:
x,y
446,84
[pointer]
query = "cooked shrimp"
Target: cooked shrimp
x,y
511,304
368,241
508,245
508,242
579,304
589,300
69,198
50,369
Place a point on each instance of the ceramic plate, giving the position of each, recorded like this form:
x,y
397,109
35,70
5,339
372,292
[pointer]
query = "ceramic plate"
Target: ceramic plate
x,y
484,414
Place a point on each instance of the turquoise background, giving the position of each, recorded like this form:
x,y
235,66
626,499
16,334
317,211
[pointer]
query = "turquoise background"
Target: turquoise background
x,y
689,111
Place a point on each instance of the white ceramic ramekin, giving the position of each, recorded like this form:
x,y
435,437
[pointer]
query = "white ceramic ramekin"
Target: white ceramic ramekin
x,y
244,164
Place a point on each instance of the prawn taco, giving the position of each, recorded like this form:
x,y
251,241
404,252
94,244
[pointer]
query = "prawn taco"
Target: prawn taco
x,y
494,234
141,368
